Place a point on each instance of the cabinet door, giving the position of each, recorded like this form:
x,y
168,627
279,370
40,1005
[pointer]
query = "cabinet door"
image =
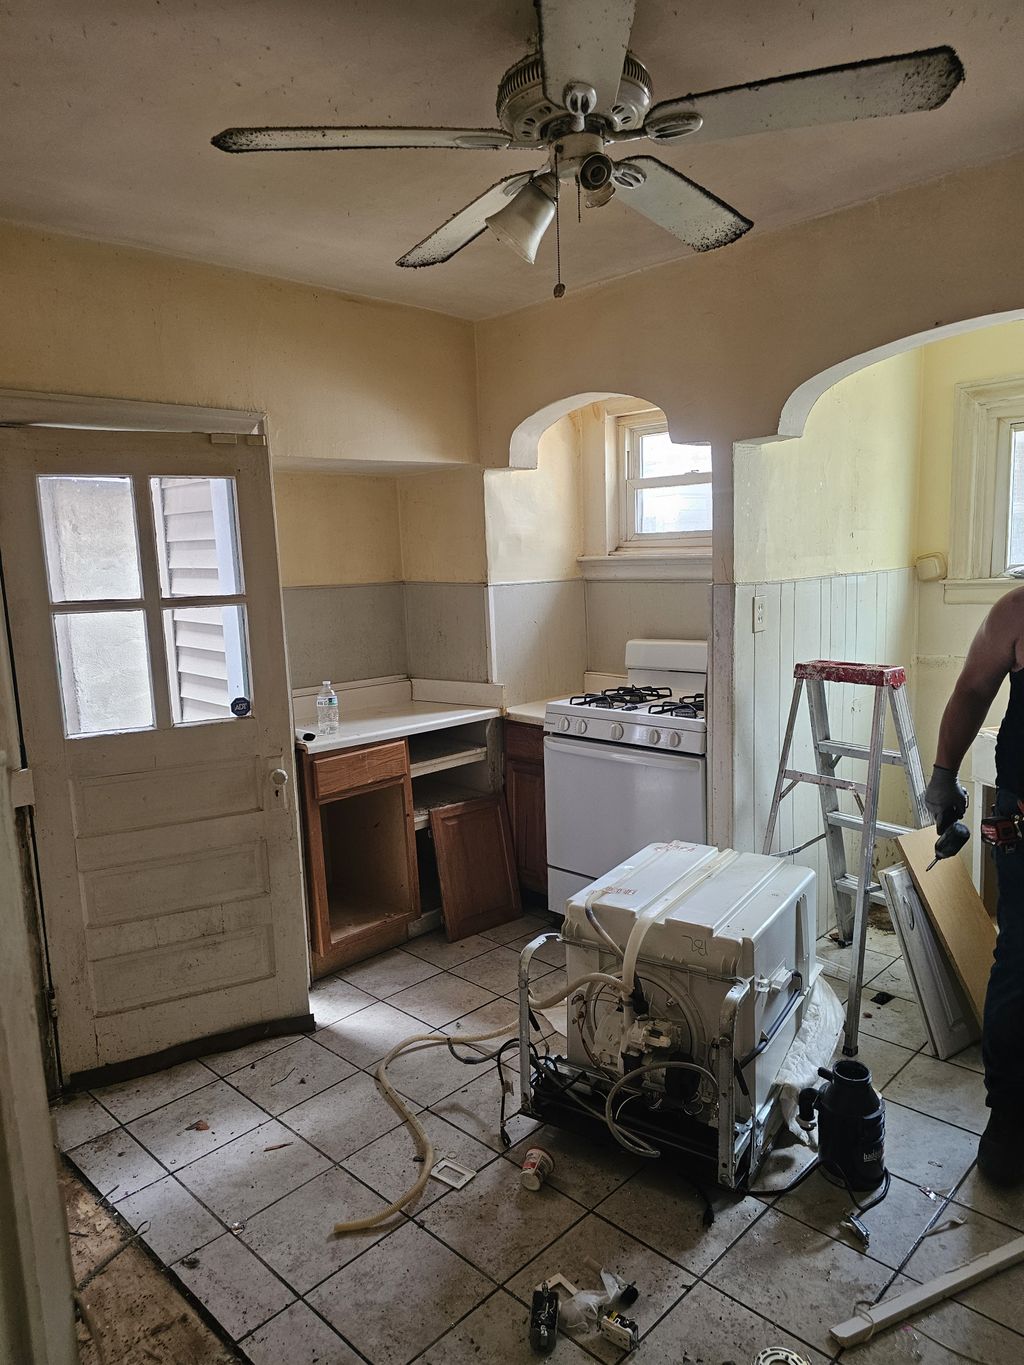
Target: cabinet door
x,y
475,865
524,788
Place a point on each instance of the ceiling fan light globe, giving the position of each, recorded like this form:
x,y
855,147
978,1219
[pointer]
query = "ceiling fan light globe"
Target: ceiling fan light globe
x,y
522,223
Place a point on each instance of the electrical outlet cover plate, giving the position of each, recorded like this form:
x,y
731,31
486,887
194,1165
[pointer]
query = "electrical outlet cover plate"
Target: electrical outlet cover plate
x,y
449,1172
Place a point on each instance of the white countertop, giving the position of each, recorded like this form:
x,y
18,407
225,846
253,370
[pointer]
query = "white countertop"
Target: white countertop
x,y
528,712
392,722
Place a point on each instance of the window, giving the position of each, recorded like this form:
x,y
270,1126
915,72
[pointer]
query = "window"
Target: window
x,y
1008,537
987,509
665,488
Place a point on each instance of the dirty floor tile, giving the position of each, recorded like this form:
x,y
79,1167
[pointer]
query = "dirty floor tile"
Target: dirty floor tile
x,y
388,973
333,998
951,1093
429,1075
246,1175
433,1286
172,1134
894,1225
884,1060
226,1062
288,1077
341,1120
526,925
79,1119
661,1209
947,1334
476,1109
239,1291
441,999
365,1037
389,1165
178,1223
713,1327
496,1224
116,1164
925,1150
498,970
131,1099
297,1334
800,1279
496,1332
436,949
296,1235
897,1021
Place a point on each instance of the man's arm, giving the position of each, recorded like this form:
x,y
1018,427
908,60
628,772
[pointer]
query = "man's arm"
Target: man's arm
x,y
994,651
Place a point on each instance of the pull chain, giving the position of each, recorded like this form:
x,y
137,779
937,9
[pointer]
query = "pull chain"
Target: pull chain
x,y
559,288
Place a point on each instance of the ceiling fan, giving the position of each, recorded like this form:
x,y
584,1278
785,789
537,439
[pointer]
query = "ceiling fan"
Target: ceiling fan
x,y
585,91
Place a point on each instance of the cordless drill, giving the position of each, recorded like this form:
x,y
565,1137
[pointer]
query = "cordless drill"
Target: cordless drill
x,y
953,834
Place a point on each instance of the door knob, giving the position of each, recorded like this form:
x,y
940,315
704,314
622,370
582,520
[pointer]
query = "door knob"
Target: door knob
x,y
279,783
279,777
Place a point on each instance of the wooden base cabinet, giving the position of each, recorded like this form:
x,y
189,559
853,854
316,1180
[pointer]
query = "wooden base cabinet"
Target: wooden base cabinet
x,y
360,852
524,792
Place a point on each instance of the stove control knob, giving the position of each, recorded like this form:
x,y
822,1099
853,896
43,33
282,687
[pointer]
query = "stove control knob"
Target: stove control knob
x,y
654,736
674,739
581,727
617,731
563,724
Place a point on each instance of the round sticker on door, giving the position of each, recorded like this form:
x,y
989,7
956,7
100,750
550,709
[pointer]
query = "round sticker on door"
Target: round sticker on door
x,y
241,706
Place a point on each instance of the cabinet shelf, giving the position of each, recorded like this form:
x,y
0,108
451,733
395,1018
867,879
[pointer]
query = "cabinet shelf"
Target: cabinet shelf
x,y
435,753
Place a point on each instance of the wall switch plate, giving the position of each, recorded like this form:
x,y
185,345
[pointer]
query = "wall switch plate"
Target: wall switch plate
x,y
758,621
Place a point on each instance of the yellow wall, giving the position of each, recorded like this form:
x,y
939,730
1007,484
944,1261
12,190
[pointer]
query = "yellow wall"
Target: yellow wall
x,y
442,527
336,528
338,378
534,516
994,353
840,498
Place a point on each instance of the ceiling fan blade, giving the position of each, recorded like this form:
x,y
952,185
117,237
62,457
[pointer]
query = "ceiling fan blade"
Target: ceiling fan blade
x,y
583,42
465,226
680,206
342,139
902,84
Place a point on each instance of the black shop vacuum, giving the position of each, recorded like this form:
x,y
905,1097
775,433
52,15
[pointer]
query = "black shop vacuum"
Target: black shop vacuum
x,y
850,1118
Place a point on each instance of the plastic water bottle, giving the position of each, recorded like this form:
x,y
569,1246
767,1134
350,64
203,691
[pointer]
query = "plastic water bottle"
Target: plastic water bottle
x,y
327,710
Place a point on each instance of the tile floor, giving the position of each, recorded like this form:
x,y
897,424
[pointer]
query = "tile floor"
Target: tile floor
x,y
294,1137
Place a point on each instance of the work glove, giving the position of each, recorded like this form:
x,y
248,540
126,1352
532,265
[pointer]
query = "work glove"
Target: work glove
x,y
945,798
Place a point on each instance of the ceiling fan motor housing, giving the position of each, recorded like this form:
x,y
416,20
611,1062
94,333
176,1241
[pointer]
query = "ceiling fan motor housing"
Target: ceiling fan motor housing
x,y
529,117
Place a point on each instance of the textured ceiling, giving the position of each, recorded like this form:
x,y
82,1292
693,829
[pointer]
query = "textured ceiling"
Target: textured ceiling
x,y
108,108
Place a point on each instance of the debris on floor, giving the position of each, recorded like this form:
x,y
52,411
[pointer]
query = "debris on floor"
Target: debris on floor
x,y
139,1313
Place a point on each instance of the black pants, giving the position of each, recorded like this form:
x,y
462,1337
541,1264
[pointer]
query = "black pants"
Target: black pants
x,y
1002,1040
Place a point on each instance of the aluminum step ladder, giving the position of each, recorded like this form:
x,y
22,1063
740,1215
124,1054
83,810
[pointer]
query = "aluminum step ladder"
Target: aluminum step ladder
x,y
853,894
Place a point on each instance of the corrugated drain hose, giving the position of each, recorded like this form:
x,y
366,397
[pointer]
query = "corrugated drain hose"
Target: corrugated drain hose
x,y
424,1147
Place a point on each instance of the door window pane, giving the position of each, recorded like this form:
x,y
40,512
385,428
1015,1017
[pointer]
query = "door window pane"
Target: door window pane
x,y
673,511
208,663
660,458
197,536
103,665
92,548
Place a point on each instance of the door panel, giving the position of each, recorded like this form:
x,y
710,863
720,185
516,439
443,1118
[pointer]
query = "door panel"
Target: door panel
x,y
168,852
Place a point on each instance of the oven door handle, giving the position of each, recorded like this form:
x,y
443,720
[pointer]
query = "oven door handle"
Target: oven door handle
x,y
614,752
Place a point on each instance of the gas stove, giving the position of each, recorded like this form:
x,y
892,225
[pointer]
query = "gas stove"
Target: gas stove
x,y
645,717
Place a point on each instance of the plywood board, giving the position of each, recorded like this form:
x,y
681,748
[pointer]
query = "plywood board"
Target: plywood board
x,y
957,912
475,863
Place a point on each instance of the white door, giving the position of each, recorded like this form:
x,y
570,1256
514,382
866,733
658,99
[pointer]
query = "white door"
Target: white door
x,y
145,616
605,802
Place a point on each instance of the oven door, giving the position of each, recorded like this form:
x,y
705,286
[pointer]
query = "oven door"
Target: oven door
x,y
607,801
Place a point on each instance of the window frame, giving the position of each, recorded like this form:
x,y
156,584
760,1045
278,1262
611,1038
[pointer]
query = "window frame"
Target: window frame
x,y
629,431
986,413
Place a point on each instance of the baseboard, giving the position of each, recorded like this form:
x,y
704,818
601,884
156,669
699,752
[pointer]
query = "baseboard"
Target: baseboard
x,y
185,1052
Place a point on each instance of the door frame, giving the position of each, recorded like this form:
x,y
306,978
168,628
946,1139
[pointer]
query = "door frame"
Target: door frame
x,y
26,408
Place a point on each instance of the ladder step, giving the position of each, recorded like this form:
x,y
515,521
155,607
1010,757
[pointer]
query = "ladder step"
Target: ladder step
x,y
842,671
849,885
883,830
831,746
825,780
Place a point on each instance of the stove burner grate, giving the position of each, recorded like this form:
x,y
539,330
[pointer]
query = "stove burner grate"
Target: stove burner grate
x,y
692,707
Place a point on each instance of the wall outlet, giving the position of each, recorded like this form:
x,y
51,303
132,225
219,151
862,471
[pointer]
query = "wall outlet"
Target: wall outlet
x,y
758,621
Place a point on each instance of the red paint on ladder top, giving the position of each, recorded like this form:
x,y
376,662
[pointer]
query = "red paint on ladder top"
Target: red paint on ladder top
x,y
839,670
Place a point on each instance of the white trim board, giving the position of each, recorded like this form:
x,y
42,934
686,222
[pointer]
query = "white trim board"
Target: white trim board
x,y
24,408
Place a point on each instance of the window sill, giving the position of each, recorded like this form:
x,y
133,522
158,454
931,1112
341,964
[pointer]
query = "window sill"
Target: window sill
x,y
977,591
649,565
